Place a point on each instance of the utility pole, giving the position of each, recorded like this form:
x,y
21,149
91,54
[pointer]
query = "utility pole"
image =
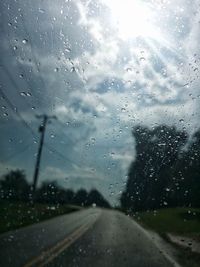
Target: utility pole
x,y
42,128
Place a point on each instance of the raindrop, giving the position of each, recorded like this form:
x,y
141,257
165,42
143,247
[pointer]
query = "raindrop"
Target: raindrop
x,y
128,69
142,59
67,49
24,41
123,109
33,108
72,69
56,69
15,47
41,10
28,94
23,94
181,120
52,135
5,114
21,76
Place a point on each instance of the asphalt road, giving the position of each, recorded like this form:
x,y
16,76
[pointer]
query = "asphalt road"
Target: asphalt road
x,y
90,237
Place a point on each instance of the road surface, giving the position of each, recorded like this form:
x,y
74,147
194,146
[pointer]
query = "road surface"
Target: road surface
x,y
91,237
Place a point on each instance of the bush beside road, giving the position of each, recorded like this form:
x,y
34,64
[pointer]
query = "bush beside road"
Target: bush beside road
x,y
17,214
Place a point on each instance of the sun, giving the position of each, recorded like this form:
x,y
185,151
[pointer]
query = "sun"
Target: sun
x,y
133,18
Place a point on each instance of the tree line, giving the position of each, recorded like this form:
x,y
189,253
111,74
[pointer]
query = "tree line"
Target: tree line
x,y
14,186
166,170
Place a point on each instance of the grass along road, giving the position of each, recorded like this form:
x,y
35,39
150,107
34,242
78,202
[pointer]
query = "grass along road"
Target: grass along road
x,y
184,221
180,227
14,215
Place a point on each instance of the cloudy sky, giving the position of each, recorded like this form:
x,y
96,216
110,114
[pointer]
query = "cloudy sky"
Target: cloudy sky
x,y
100,66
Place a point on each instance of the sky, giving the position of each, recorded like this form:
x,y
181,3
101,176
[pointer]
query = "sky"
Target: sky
x,y
101,67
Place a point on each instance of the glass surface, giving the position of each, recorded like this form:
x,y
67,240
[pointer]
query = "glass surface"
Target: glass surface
x,y
100,107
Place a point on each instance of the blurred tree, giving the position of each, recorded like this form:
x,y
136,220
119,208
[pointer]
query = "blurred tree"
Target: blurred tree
x,y
13,185
95,198
49,192
151,174
80,197
187,174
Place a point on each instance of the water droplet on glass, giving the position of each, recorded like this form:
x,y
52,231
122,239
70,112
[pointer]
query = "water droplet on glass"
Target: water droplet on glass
x,y
128,69
56,69
41,10
23,94
72,69
15,47
24,41
67,49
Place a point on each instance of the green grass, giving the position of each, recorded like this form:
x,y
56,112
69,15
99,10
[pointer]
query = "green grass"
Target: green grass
x,y
178,221
184,221
14,215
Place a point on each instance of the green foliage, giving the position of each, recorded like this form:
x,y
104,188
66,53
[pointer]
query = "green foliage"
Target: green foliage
x,y
182,221
13,186
166,172
16,214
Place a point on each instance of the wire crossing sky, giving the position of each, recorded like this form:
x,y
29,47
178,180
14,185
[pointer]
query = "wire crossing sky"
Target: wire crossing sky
x,y
101,67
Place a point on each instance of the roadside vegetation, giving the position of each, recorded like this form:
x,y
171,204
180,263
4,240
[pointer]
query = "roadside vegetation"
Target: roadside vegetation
x,y
17,214
20,207
164,176
181,221
165,172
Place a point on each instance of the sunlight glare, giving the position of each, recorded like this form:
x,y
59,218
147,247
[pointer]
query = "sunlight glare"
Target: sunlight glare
x,y
133,18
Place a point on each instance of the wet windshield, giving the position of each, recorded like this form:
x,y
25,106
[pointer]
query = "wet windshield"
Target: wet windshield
x,y
99,133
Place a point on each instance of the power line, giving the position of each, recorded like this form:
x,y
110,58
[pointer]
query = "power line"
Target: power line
x,y
15,111
65,158
32,51
62,127
13,108
14,54
29,128
42,129
17,153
